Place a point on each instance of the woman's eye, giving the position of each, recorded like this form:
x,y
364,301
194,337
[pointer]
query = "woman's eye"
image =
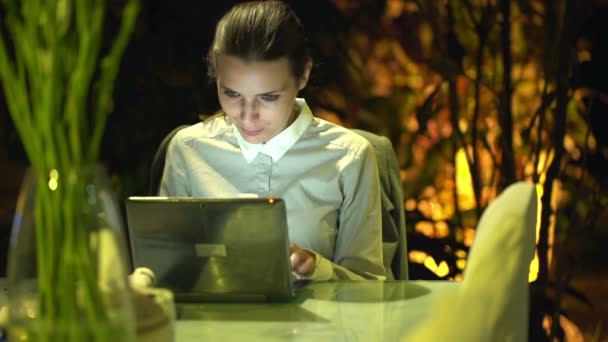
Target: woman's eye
x,y
270,98
231,93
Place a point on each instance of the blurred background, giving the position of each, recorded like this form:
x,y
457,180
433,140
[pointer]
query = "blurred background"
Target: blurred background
x,y
473,94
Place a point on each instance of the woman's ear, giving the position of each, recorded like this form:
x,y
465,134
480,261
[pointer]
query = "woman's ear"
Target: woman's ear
x,y
305,75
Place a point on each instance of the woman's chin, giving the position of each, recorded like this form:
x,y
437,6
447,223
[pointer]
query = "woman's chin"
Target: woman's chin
x,y
258,139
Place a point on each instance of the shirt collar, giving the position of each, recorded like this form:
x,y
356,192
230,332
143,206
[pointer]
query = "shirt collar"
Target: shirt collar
x,y
278,145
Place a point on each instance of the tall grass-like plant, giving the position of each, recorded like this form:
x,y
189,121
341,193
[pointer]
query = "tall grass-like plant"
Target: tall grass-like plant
x,y
58,81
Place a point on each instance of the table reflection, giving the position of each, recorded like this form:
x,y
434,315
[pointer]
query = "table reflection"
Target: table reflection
x,y
321,311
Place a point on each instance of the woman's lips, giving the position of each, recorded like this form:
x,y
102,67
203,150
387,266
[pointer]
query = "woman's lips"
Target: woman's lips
x,y
251,133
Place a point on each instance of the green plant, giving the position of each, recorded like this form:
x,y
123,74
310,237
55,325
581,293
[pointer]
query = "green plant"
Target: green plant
x,y
480,94
58,91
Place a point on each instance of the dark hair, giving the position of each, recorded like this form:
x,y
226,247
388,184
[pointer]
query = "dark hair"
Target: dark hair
x,y
260,31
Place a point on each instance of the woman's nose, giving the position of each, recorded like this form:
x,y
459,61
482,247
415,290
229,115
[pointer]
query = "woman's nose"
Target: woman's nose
x,y
249,110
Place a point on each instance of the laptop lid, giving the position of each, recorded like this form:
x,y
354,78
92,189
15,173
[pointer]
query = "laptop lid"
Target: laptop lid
x,y
213,249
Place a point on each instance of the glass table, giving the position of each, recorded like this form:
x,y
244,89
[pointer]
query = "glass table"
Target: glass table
x,y
324,311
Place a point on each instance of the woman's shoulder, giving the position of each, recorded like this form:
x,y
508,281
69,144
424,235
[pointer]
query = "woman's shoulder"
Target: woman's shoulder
x,y
339,136
209,128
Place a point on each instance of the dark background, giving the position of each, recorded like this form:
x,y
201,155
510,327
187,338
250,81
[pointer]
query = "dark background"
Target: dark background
x,y
162,83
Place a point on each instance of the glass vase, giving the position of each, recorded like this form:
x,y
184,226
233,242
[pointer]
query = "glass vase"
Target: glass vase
x,y
67,266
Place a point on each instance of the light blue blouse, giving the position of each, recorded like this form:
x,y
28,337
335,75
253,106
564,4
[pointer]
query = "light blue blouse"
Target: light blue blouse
x,y
326,174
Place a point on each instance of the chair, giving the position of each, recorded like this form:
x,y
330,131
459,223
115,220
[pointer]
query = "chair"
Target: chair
x,y
393,215
491,303
394,237
158,162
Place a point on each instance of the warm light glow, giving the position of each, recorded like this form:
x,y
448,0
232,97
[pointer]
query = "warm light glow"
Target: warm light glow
x,y
469,237
459,235
430,263
394,8
591,142
463,125
441,271
436,211
584,56
53,177
570,146
464,182
461,254
426,208
426,228
571,331
410,204
533,273
461,263
53,184
411,124
416,256
442,229
271,200
544,160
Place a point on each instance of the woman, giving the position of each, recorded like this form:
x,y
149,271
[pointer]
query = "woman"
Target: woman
x,y
266,142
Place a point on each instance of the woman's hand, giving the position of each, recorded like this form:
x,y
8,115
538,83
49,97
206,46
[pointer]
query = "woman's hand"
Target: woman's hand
x,y
303,262
142,277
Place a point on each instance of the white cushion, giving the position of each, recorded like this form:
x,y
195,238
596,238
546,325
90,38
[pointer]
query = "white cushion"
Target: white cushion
x,y
491,303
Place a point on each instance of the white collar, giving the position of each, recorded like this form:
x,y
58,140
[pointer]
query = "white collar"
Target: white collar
x,y
278,145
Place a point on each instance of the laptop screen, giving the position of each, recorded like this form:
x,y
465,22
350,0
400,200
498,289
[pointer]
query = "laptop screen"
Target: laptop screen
x,y
212,249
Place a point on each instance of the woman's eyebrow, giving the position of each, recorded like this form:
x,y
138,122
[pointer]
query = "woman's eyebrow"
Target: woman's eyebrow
x,y
264,93
282,88
226,88
272,92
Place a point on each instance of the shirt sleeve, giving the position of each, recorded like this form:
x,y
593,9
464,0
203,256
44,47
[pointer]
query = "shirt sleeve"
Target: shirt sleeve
x,y
174,182
358,249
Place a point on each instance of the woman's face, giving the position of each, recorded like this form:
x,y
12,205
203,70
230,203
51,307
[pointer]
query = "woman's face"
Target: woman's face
x,y
258,96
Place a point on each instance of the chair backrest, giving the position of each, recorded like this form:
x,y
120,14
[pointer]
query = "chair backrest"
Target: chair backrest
x,y
492,301
393,215
158,162
394,239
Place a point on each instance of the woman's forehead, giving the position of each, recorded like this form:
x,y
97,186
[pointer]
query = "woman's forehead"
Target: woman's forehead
x,y
226,62
269,75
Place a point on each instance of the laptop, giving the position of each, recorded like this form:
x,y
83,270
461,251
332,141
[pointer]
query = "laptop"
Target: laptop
x,y
213,250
